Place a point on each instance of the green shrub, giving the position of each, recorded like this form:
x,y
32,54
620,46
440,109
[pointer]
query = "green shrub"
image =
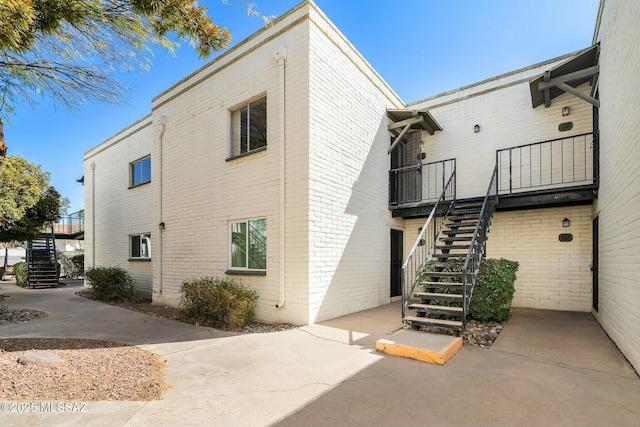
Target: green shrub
x,y
71,264
111,284
218,300
21,273
78,262
494,290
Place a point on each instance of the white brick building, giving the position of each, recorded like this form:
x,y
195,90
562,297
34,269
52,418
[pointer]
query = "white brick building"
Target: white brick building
x,y
270,165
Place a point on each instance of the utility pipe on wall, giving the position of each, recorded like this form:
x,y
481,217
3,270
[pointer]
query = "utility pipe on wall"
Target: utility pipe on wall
x,y
163,125
281,56
93,214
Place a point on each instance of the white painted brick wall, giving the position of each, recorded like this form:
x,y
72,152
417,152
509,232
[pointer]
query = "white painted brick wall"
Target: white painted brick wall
x,y
506,119
552,274
348,172
119,210
618,205
336,178
203,193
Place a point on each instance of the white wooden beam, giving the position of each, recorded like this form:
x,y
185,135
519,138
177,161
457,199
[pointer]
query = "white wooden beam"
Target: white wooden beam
x,y
398,138
547,95
587,72
410,121
579,94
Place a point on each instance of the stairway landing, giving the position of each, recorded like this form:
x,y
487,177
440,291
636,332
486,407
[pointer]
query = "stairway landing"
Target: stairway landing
x,y
422,346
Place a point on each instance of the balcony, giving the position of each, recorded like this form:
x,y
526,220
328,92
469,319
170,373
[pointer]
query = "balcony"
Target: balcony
x,y
70,226
554,172
416,187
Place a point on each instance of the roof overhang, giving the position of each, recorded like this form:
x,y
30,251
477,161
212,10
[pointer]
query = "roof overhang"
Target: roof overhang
x,y
403,121
566,77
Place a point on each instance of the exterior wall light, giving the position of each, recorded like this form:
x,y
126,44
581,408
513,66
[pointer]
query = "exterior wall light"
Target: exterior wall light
x,y
161,226
566,223
565,111
476,128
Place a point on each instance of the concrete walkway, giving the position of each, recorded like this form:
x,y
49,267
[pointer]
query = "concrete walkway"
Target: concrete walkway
x,y
546,368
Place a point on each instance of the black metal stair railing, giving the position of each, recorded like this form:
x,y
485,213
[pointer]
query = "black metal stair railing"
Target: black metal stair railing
x,y
478,243
425,244
42,260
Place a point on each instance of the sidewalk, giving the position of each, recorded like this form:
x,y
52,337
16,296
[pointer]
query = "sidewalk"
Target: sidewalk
x,y
546,368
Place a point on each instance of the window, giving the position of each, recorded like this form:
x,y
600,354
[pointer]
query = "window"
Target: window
x,y
140,246
249,245
141,171
249,127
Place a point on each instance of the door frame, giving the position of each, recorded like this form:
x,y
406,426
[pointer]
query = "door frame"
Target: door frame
x,y
396,246
594,263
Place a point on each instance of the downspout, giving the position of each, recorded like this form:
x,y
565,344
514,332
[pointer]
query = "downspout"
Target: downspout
x,y
281,56
93,214
163,124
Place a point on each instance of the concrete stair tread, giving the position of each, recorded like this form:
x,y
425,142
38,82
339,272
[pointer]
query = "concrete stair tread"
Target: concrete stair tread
x,y
436,295
452,247
444,285
431,307
456,239
448,264
443,274
433,322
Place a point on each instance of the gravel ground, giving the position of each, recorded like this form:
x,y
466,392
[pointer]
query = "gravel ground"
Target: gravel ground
x,y
477,334
89,370
19,316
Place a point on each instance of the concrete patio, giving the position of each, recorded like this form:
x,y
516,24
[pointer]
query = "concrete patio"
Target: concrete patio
x,y
546,368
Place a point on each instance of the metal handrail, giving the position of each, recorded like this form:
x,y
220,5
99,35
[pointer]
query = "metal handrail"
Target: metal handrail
x,y
478,243
55,253
419,182
70,224
530,166
422,250
5,264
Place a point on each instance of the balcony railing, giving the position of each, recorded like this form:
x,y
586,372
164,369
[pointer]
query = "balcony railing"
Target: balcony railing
x,y
419,183
547,165
70,225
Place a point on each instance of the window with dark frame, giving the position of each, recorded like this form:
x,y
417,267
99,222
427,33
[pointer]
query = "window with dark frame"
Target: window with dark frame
x,y
249,127
140,246
140,172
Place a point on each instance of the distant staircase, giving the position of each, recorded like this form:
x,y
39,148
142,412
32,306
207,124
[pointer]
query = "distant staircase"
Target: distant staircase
x,y
442,283
42,262
6,272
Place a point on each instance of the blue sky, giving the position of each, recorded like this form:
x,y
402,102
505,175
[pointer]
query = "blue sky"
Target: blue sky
x,y
420,47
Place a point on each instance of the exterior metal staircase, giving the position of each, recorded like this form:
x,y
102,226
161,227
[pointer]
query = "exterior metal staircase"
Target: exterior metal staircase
x,y
42,262
443,276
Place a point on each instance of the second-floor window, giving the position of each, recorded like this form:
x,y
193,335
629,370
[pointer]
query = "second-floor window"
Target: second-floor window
x,y
249,127
140,171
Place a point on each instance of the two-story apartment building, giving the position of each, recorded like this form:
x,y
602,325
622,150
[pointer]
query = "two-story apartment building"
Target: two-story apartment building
x,y
289,163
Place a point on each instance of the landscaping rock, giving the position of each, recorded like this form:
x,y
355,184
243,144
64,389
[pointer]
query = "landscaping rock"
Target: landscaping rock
x,y
20,316
39,357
